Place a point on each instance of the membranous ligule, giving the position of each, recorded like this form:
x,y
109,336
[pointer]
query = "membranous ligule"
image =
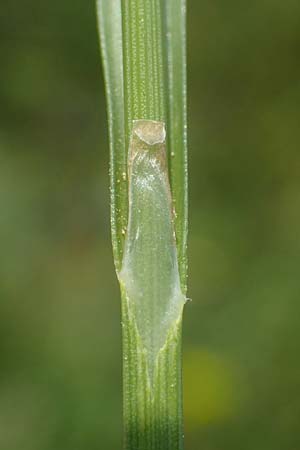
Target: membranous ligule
x,y
149,273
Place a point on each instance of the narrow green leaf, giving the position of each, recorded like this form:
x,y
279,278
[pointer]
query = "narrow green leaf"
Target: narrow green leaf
x,y
174,14
110,29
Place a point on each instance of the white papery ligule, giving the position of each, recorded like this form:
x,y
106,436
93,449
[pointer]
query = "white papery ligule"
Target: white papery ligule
x,y
149,275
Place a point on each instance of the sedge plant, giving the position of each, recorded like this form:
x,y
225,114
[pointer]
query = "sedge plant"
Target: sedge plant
x,y
144,60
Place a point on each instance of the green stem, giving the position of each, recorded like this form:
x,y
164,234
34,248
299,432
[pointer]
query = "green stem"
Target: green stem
x,y
143,52
152,408
144,90
152,413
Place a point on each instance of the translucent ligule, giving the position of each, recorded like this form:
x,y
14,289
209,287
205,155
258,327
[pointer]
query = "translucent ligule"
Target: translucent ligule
x,y
149,272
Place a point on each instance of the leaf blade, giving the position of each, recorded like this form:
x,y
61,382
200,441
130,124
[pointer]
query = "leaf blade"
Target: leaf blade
x,y
110,30
174,14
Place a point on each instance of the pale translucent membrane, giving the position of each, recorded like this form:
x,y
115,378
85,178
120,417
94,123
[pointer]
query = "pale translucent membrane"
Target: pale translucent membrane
x,y
150,267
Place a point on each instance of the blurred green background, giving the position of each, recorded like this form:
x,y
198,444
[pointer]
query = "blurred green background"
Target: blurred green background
x,y
60,346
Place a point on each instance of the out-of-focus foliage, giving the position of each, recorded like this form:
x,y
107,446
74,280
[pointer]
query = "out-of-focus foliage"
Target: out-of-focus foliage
x,y
60,374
